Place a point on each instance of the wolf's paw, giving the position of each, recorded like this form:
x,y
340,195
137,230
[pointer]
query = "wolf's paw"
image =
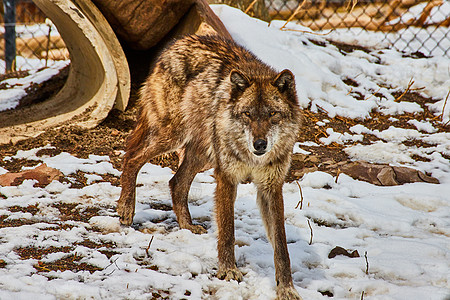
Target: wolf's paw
x,y
230,274
197,229
125,215
287,293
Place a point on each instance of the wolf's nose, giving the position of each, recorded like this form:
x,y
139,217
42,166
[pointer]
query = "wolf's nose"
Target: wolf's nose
x,y
260,145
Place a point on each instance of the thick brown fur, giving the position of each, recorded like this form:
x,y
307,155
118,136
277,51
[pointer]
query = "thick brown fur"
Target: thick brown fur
x,y
229,110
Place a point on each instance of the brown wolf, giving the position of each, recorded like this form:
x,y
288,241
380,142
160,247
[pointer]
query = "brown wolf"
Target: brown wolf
x,y
229,110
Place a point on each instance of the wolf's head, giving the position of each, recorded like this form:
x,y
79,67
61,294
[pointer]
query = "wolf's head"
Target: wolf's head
x,y
266,109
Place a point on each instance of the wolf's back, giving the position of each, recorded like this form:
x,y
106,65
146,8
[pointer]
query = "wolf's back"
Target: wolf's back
x,y
192,55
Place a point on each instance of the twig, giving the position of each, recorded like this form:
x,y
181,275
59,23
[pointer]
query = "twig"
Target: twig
x,y
48,41
337,175
306,31
250,6
362,295
111,272
148,247
310,228
373,94
441,116
41,267
351,90
300,5
367,263
301,196
323,109
114,262
353,2
411,82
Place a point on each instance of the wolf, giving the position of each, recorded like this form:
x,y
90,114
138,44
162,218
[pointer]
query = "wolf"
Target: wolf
x,y
228,110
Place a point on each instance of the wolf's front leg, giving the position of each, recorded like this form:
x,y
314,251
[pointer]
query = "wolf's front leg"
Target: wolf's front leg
x,y
225,197
270,200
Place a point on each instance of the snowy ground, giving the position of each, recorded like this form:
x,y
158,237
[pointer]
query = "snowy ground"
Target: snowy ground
x,y
15,88
403,230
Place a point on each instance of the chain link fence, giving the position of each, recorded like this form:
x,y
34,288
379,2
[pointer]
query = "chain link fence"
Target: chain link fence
x,y
408,25
29,40
413,26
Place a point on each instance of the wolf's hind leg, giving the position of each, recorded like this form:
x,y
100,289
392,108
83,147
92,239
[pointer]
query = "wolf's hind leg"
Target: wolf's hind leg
x,y
193,162
141,147
132,163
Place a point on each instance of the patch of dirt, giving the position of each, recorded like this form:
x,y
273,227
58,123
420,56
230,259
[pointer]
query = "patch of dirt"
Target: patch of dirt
x,y
13,223
15,74
348,48
15,165
39,253
77,212
32,209
70,263
39,92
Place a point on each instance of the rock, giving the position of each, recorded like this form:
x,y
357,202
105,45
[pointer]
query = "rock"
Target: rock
x,y
43,174
341,251
385,175
143,24
427,178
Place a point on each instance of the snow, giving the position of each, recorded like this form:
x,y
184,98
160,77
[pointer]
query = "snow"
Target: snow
x,y
437,14
15,87
402,233
320,71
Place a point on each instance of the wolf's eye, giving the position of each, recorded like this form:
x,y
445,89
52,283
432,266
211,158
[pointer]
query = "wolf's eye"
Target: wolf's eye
x,y
273,113
246,113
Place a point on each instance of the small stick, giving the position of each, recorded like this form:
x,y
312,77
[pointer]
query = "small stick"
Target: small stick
x,y
354,2
250,6
362,295
146,250
373,94
48,40
301,196
114,262
367,263
351,90
300,5
337,175
323,109
411,82
441,116
310,228
310,32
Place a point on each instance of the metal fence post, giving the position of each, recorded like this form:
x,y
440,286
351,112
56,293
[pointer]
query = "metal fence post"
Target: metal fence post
x,y
10,34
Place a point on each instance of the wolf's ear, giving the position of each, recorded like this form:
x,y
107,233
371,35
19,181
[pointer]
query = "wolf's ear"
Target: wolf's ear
x,y
284,81
238,80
